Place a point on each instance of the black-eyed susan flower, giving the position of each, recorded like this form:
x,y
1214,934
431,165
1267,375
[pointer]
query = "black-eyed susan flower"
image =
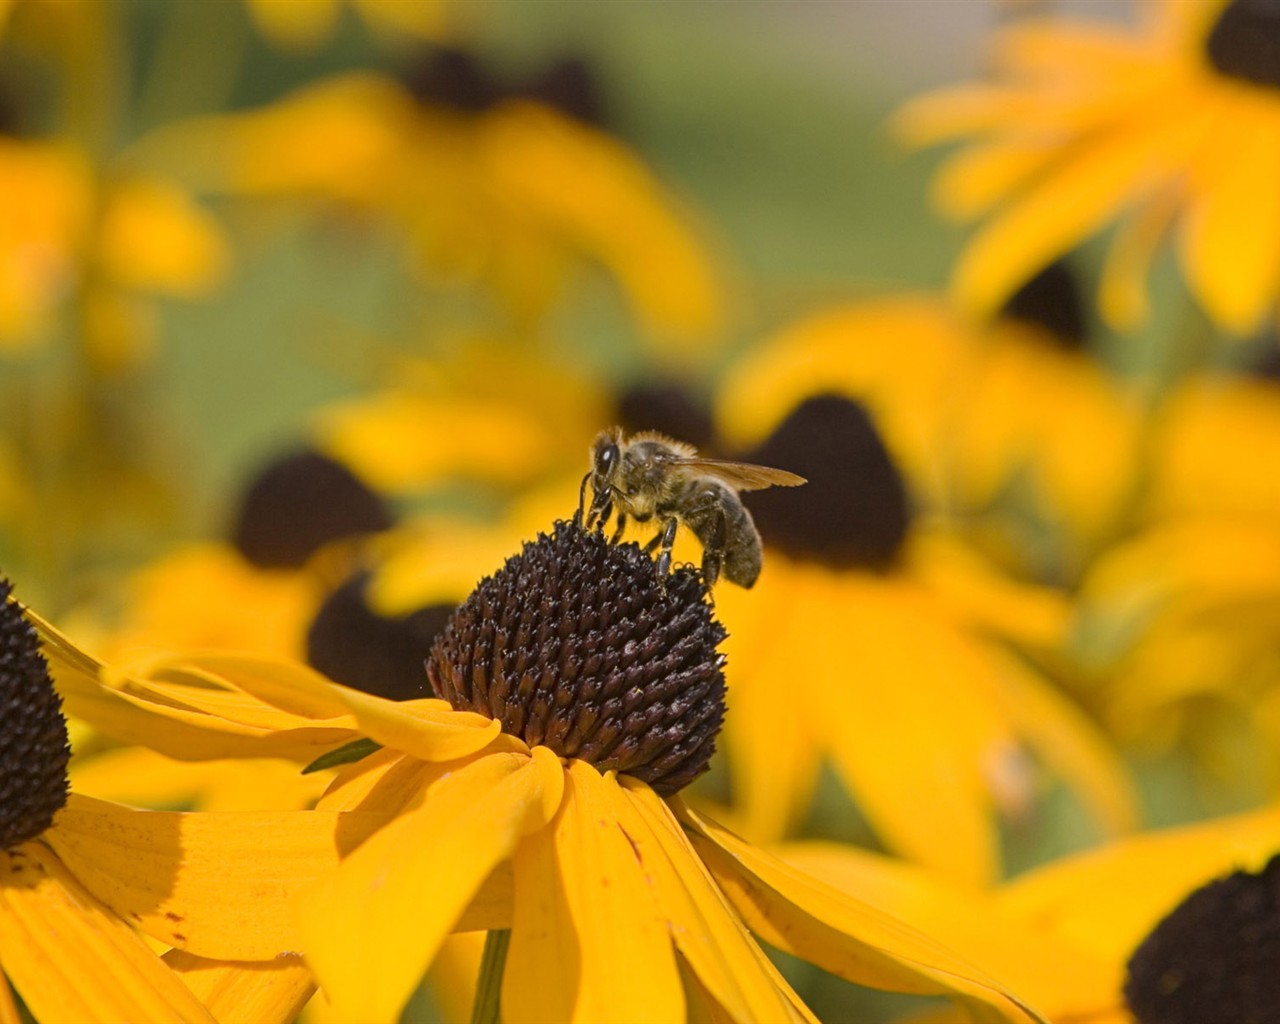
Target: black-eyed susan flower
x,y
68,956
1012,426
903,640
620,903
1177,925
292,539
1167,128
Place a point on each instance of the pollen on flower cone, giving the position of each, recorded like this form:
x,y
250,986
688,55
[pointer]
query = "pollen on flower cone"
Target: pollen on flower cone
x,y
576,645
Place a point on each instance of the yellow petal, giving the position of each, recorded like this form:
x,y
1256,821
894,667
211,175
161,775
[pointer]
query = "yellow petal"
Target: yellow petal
x,y
974,180
916,756
295,24
371,928
1230,247
1063,980
8,1008
427,729
246,993
1108,899
1122,291
1066,206
153,236
1072,745
72,960
587,943
704,926
849,938
215,884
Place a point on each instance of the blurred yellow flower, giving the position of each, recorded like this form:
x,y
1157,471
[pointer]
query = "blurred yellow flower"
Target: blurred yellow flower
x,y
1175,630
306,24
515,197
1170,128
65,236
897,641
996,424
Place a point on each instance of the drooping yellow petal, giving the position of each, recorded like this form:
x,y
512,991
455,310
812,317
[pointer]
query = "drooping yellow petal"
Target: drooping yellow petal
x,y
295,24
843,935
587,942
141,777
776,789
246,993
71,959
217,885
371,928
703,925
1066,206
1063,980
917,753
1230,245
428,729
1149,875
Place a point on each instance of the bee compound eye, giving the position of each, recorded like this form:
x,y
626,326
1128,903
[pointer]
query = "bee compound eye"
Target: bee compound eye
x,y
608,457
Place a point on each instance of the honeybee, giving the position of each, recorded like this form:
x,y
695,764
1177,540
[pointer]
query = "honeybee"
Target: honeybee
x,y
651,476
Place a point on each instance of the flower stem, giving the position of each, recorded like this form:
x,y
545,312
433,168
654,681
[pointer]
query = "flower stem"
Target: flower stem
x,y
489,986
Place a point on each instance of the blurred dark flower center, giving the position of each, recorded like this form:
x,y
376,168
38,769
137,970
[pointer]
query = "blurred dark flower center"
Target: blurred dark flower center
x,y
455,78
353,645
1245,41
298,504
1213,959
669,409
575,645
1051,300
34,748
854,511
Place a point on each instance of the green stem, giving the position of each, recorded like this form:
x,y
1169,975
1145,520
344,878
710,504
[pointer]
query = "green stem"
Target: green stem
x,y
486,1009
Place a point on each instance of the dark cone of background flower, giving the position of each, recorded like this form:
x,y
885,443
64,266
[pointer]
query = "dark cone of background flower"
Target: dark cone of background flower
x,y
1245,43
353,645
854,511
668,408
574,645
1051,300
33,734
298,504
1215,959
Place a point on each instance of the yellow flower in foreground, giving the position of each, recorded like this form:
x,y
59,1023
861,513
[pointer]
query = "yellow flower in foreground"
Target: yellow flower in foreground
x,y
1171,128
1061,936
67,954
621,905
904,642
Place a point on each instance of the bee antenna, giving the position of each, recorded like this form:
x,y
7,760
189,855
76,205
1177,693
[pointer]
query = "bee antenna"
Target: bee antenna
x,y
582,499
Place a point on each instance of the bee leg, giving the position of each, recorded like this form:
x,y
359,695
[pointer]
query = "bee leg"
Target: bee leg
x,y
605,510
713,549
668,539
617,532
582,500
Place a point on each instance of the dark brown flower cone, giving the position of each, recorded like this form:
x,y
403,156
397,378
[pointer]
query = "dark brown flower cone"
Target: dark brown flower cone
x,y
576,645
34,747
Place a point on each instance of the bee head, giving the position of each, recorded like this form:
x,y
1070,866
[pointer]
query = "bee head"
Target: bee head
x,y
605,458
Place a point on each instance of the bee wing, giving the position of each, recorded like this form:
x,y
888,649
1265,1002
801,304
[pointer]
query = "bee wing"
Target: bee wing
x,y
743,476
